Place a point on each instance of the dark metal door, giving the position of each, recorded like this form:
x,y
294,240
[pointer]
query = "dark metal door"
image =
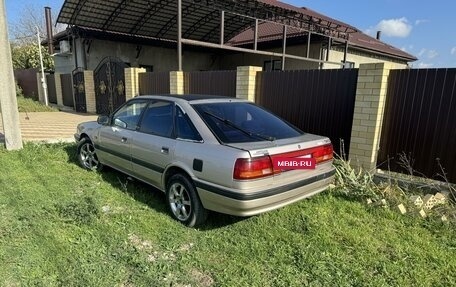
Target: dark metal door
x,y
109,79
79,91
67,90
52,95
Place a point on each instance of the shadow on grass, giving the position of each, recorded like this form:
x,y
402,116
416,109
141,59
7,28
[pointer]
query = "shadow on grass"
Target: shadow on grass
x,y
150,195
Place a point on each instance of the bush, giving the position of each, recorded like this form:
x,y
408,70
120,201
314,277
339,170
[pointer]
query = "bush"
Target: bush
x,y
19,91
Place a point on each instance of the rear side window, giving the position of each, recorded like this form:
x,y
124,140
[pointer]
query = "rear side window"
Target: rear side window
x,y
158,119
234,122
184,127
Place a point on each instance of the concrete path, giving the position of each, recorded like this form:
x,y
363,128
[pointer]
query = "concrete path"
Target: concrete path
x,y
49,126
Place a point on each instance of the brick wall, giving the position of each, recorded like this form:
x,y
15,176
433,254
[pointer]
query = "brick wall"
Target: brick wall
x,y
246,82
132,82
368,114
176,82
90,92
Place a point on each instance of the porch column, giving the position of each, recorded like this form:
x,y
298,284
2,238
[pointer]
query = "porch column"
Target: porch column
x,y
246,82
90,92
368,115
132,82
176,82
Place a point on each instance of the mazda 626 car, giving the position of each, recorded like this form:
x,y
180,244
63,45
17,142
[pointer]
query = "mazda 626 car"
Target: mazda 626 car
x,y
207,153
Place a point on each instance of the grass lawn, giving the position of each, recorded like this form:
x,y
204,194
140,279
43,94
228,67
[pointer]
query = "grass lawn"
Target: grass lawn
x,y
30,105
63,226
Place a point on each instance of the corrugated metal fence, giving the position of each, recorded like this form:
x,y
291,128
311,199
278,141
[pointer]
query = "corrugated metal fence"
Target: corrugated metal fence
x,y
153,83
420,122
221,83
26,79
317,101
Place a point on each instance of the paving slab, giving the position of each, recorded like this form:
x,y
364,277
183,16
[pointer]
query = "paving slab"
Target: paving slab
x,y
49,126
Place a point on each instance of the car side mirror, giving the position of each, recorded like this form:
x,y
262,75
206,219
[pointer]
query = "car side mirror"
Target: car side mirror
x,y
103,120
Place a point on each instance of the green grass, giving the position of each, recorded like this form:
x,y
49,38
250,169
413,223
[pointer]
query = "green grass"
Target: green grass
x,y
30,105
63,226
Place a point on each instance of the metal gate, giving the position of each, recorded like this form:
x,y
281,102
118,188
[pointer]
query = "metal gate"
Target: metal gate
x,y
109,79
79,91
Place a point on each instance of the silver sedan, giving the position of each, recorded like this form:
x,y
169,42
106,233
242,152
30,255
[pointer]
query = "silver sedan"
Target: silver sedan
x,y
209,153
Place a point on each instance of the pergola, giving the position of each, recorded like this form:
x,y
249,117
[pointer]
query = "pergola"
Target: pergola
x,y
207,23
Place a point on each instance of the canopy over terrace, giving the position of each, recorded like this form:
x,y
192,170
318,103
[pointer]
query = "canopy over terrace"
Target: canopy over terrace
x,y
208,23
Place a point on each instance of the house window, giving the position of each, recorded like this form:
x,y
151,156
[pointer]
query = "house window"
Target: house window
x,y
274,65
348,65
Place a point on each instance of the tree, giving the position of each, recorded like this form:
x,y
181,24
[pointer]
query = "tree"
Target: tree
x,y
23,31
26,56
24,43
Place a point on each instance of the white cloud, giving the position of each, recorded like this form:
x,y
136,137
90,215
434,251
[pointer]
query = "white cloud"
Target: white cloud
x,y
421,21
453,51
431,54
422,65
408,48
421,52
392,28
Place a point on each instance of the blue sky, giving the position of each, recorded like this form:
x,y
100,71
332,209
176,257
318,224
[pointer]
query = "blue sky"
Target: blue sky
x,y
425,29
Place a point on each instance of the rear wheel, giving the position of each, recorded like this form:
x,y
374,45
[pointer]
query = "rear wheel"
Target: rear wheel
x,y
87,156
183,201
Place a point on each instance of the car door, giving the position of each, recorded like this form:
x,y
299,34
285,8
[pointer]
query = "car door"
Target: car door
x,y
115,139
153,146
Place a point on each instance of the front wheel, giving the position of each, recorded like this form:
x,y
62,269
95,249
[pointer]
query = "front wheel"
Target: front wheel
x,y
183,201
87,156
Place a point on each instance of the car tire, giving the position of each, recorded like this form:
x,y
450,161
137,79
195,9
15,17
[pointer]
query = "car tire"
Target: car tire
x,y
87,155
183,201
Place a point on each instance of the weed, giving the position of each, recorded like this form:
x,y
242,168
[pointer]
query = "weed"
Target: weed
x,y
30,105
79,212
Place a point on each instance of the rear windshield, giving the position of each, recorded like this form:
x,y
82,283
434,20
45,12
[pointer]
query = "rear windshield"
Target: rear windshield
x,y
235,122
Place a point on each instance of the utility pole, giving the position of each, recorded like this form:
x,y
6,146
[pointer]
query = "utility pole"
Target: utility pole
x,y
43,76
8,101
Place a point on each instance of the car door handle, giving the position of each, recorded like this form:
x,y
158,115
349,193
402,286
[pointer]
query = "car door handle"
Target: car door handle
x,y
165,150
124,139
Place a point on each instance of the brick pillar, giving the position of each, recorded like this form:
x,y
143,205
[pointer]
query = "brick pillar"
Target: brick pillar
x,y
368,114
245,82
132,82
89,84
176,82
58,89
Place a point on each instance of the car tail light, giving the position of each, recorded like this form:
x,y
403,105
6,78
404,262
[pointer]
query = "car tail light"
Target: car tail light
x,y
251,168
322,153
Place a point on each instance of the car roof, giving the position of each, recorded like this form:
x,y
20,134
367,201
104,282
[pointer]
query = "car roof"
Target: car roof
x,y
192,98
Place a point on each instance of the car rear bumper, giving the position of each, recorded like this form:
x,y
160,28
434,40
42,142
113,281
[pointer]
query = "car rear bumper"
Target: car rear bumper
x,y
247,204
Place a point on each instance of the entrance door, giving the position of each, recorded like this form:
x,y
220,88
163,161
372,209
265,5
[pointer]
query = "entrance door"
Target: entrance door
x,y
109,79
79,91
